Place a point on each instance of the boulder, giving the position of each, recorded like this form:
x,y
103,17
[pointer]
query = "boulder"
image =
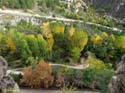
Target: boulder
x,y
7,84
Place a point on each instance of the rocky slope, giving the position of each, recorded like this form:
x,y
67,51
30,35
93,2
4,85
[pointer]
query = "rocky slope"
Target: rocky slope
x,y
115,8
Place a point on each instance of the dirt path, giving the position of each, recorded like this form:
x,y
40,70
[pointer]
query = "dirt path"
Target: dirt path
x,y
21,13
79,67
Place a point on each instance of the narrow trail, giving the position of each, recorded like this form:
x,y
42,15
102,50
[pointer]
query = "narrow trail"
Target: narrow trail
x,y
77,67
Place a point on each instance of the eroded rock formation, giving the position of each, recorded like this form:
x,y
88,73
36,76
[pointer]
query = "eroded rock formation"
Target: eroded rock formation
x,y
117,83
7,84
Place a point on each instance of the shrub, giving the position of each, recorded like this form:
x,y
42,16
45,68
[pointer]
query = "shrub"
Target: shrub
x,y
32,61
75,54
59,82
39,77
99,74
95,63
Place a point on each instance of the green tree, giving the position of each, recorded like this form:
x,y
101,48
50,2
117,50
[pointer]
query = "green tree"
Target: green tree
x,y
77,43
42,46
23,50
33,44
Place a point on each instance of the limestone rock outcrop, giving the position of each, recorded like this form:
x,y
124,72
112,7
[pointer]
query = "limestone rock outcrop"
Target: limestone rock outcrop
x,y
7,84
76,5
117,83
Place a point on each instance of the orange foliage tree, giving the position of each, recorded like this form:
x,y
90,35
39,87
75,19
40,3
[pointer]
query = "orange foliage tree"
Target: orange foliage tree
x,y
39,76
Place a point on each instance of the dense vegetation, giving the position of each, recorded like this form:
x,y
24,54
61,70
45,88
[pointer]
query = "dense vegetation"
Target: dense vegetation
x,y
24,4
56,42
34,46
26,44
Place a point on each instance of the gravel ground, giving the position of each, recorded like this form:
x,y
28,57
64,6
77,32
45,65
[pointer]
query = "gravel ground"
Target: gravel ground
x,y
52,91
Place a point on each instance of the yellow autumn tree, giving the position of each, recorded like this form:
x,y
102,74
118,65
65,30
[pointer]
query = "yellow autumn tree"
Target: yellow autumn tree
x,y
95,63
112,37
79,39
10,42
104,34
71,31
119,42
96,39
50,41
77,43
57,27
52,27
46,29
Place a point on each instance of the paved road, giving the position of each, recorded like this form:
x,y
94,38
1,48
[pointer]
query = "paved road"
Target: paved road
x,y
52,91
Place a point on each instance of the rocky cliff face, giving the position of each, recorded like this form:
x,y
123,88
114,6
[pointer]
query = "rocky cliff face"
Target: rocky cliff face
x,y
7,84
119,11
116,8
117,83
